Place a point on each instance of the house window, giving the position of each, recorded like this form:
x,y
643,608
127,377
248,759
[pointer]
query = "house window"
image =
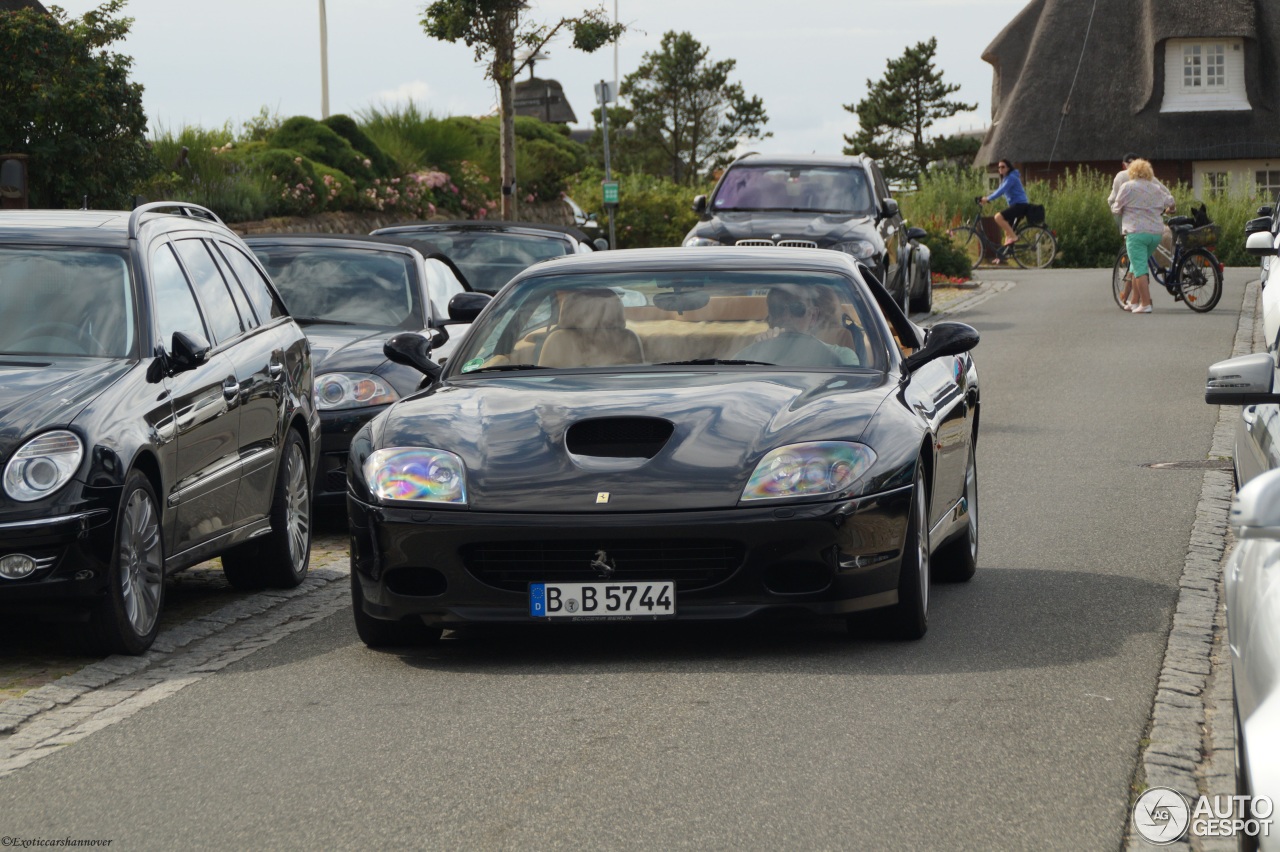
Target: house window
x,y
1216,183
1268,183
1204,75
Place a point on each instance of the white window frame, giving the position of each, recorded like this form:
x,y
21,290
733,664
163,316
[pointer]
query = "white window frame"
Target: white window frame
x,y
1269,186
1194,81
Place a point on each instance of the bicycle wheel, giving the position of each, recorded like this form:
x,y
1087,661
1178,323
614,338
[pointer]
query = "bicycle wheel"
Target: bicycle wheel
x,y
1035,248
1201,280
1121,282
970,242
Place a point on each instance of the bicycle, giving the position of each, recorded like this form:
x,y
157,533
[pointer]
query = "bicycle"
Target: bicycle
x,y
1035,248
1192,275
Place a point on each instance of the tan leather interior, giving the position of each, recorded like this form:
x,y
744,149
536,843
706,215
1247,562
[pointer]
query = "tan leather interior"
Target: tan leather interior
x,y
592,331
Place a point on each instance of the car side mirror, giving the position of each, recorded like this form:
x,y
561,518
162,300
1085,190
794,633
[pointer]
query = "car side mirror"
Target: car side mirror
x,y
1261,244
412,350
187,351
465,307
916,233
1266,210
1257,226
1255,513
1244,380
600,244
888,208
944,338
700,205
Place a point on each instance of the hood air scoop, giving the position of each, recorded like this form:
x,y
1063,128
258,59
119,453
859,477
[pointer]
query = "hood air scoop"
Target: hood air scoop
x,y
619,437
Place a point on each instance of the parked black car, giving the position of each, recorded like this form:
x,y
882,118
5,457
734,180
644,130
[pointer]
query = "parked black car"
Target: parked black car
x,y
351,294
490,253
156,411
665,433
840,203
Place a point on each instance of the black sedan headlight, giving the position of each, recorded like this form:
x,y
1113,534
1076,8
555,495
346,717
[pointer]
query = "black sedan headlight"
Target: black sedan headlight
x,y
815,469
416,474
352,390
43,465
861,249
702,241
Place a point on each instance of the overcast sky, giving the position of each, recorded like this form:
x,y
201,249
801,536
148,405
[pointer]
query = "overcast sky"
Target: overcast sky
x,y
207,62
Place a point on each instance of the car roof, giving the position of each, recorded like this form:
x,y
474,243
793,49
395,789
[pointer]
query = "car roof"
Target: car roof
x,y
498,226
723,257
91,227
799,160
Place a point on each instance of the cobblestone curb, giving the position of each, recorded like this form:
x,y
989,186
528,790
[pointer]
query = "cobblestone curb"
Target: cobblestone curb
x,y
970,298
1191,742
72,689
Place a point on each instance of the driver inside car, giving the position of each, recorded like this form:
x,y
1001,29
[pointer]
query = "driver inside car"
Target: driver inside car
x,y
791,340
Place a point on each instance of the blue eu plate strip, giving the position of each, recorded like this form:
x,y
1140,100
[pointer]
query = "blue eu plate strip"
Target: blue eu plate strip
x,y
538,600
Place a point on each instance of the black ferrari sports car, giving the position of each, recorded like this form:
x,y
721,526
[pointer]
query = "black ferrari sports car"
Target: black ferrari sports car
x,y
666,434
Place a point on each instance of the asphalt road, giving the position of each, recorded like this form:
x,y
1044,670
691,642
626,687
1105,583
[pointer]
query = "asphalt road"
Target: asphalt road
x,y
1015,724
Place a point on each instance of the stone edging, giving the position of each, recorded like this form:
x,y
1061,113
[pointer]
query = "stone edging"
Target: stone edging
x,y
1182,739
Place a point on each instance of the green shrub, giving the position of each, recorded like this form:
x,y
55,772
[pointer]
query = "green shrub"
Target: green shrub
x,y
652,211
213,173
291,179
318,142
946,258
346,127
546,158
414,141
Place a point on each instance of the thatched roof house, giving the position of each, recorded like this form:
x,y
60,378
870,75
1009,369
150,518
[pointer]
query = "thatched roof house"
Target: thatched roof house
x,y
1193,85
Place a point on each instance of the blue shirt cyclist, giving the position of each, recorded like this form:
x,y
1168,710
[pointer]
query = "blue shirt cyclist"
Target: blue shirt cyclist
x,y
1011,190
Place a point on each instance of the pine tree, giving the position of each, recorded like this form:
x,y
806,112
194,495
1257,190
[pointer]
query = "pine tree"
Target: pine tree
x,y
898,110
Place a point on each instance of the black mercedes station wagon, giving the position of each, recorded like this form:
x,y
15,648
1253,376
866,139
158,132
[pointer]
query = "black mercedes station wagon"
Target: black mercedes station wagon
x,y
156,410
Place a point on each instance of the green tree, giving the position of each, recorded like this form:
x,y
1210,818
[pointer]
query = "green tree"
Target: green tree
x,y
68,104
494,29
898,110
686,105
629,151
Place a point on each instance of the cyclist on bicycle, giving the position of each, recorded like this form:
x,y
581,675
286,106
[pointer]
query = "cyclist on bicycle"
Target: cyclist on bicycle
x,y
1011,190
1140,202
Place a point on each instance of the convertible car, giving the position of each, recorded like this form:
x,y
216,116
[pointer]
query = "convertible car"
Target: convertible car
x,y
666,434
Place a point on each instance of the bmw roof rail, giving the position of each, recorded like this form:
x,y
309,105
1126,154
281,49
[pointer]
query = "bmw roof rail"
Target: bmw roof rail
x,y
182,208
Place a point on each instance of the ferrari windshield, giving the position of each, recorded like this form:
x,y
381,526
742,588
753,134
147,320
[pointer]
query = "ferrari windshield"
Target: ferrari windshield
x,y
687,317
345,285
56,301
814,189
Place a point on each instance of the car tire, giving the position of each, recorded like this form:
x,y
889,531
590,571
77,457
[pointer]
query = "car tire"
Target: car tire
x,y
380,633
279,559
922,302
126,619
909,618
957,561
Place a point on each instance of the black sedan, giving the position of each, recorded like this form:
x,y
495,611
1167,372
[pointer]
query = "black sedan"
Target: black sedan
x,y
350,294
491,253
156,410
661,433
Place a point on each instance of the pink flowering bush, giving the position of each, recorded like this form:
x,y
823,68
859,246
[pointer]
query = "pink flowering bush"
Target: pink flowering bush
x,y
426,193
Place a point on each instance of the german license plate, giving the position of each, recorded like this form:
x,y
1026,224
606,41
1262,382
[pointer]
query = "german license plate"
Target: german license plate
x,y
629,601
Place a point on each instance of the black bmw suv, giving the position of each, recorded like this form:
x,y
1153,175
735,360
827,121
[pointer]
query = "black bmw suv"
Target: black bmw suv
x,y
800,201
156,410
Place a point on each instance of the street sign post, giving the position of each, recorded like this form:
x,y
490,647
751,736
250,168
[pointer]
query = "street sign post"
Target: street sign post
x,y
610,191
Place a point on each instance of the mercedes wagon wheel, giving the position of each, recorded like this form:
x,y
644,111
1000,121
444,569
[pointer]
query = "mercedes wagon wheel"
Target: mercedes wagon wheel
x,y
958,560
280,558
127,619
380,633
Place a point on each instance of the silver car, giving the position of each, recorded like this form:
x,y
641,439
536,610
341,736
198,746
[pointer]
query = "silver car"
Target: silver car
x,y
1252,582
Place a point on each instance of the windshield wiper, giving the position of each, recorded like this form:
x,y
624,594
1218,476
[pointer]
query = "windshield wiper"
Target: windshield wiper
x,y
323,321
502,368
732,362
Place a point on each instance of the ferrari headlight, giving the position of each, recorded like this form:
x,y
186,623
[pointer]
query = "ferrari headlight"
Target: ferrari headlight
x,y
416,474
352,390
808,470
702,241
43,465
860,249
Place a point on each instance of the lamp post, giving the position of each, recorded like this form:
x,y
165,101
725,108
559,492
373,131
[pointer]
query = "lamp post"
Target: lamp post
x,y
324,64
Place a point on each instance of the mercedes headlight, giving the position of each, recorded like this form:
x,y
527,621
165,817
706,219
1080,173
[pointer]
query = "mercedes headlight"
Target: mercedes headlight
x,y
816,469
861,249
416,474
43,465
352,390
702,241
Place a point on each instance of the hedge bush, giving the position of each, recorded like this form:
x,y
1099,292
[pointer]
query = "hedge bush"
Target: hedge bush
x,y
346,127
320,143
652,211
546,158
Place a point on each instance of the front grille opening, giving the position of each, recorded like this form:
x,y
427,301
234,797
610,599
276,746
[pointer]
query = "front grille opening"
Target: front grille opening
x,y
691,563
619,437
416,582
796,578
